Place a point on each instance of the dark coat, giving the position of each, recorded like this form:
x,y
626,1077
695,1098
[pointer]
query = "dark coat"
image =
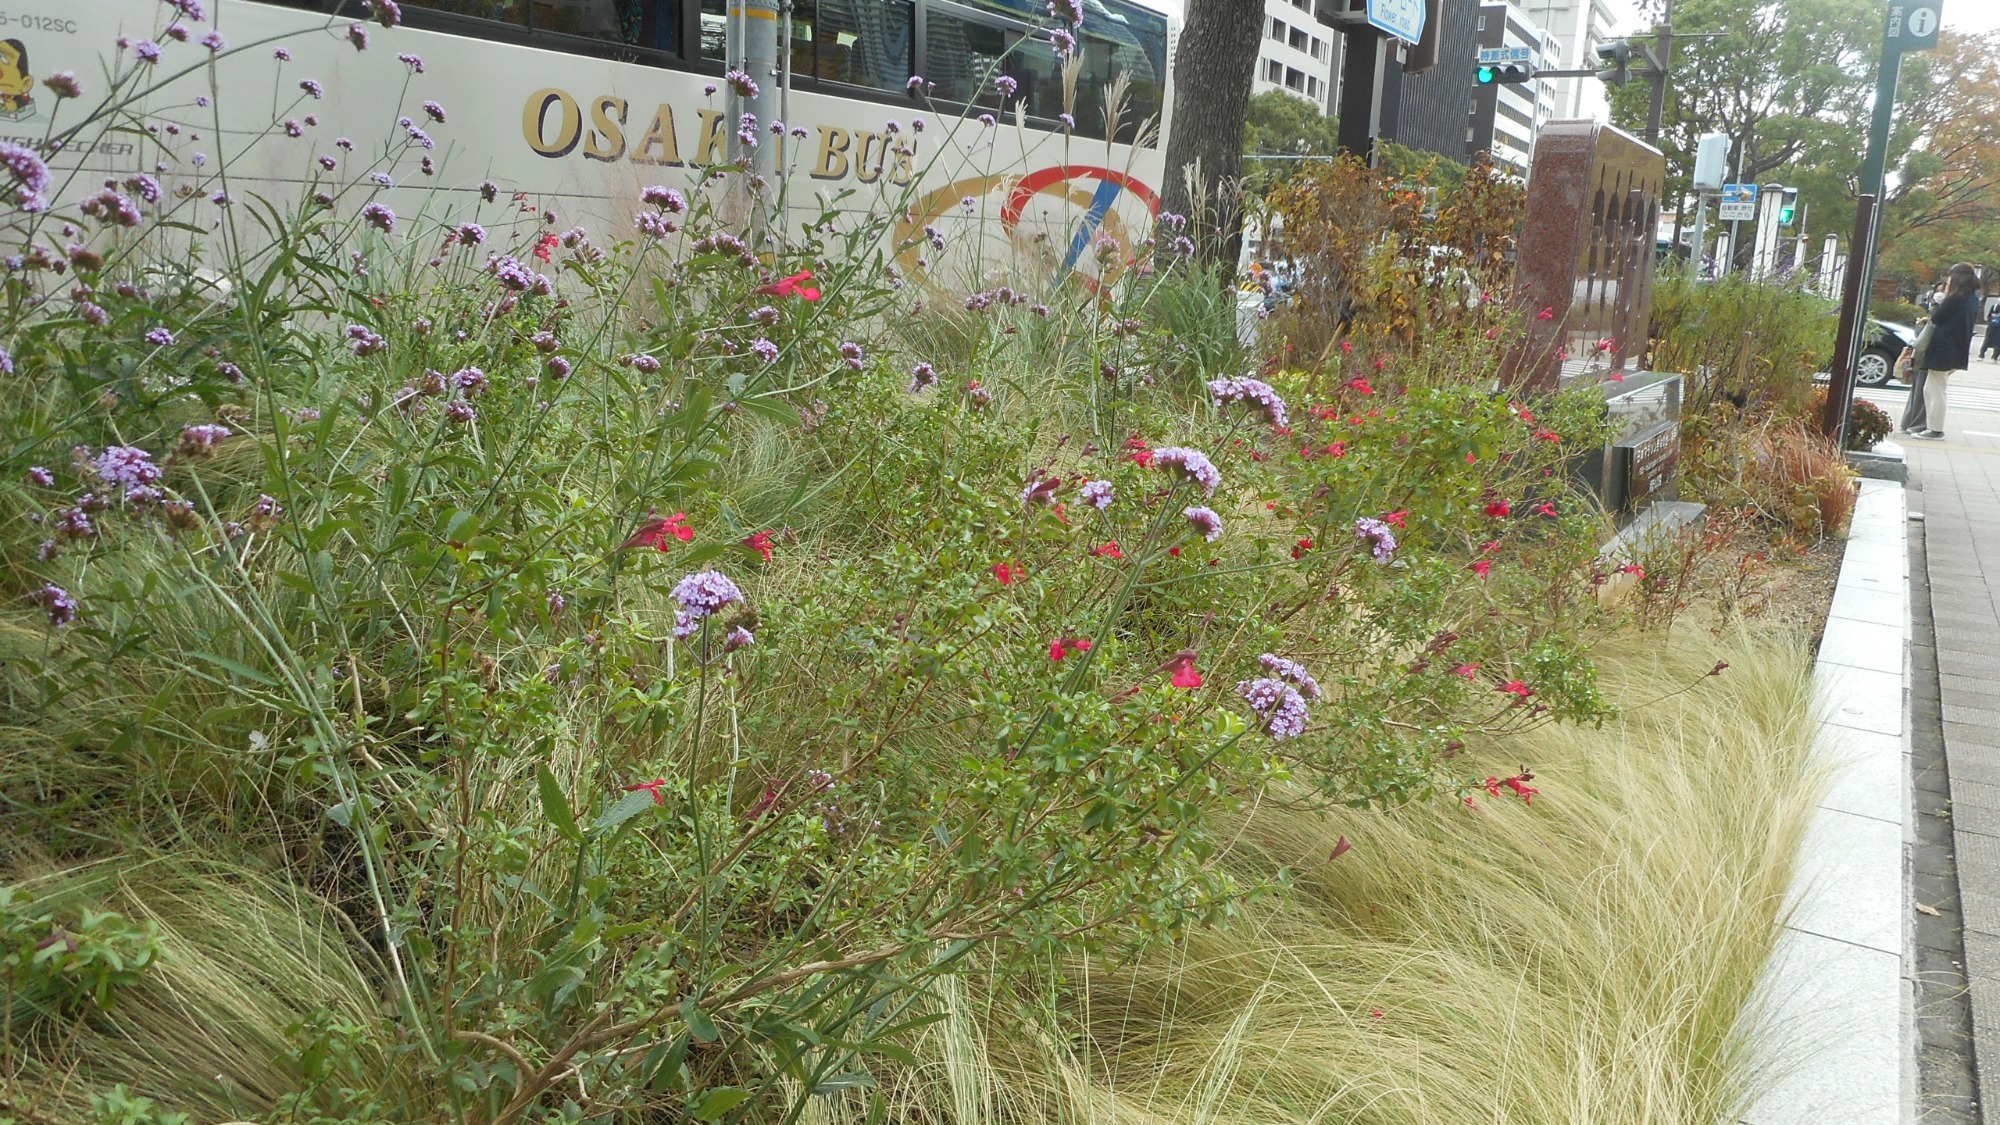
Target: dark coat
x,y
1953,322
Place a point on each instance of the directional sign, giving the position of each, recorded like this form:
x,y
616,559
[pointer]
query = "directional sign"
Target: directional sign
x,y
1913,24
1403,19
1501,56
1739,203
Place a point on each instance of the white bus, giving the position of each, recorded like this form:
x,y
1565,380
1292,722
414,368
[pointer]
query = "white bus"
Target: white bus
x,y
574,106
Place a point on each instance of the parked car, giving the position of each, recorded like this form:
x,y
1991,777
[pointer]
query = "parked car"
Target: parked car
x,y
1881,346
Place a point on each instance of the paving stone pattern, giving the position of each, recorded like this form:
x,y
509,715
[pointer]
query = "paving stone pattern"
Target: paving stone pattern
x,y
1960,478
1947,1084
1834,1026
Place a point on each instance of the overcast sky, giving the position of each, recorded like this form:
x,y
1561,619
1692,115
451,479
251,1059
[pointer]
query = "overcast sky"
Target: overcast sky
x,y
1972,15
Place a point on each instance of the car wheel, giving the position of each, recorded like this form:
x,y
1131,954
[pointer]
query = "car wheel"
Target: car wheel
x,y
1873,368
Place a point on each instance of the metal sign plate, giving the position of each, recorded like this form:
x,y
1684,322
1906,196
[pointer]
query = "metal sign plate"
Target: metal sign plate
x,y
1739,203
1403,19
1490,56
1913,24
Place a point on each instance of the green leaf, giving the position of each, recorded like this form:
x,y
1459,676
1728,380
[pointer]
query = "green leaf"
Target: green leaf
x,y
718,1101
622,810
698,1023
235,668
556,806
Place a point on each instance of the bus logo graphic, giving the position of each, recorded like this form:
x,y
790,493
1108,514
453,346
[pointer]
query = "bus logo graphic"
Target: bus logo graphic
x,y
1053,216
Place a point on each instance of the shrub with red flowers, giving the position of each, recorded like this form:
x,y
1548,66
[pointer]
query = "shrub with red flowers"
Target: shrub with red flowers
x,y
661,693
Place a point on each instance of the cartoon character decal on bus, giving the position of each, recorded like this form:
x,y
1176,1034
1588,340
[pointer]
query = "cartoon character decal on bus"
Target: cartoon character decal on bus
x,y
17,82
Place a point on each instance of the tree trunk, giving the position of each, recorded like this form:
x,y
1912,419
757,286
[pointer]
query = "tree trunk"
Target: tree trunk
x,y
1213,66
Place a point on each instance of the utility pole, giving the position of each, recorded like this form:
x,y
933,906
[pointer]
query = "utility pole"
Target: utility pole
x,y
1662,64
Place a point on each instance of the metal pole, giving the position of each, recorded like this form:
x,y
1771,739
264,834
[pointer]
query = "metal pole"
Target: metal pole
x,y
1861,255
1659,107
1840,381
1699,254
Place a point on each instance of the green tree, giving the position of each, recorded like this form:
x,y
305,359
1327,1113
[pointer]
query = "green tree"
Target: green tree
x,y
1280,129
1944,206
1789,81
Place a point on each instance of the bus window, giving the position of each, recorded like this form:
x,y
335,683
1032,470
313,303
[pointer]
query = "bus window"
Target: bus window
x,y
859,42
651,24
963,53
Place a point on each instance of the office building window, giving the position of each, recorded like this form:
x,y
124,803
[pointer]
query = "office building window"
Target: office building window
x,y
1277,29
1294,78
1297,40
1274,71
1482,27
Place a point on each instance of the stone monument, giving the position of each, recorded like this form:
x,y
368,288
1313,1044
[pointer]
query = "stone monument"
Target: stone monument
x,y
1584,283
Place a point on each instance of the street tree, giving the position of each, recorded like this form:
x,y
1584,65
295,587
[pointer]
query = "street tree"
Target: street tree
x,y
1944,205
1789,81
1212,72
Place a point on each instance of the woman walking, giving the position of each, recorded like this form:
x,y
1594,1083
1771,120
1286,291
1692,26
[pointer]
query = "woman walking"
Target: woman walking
x,y
1992,341
1953,321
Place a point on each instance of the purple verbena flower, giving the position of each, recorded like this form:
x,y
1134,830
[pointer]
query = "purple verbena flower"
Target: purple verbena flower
x,y
27,167
764,349
435,111
357,35
1097,493
159,337
1006,86
1293,671
1261,396
41,477
146,51
852,353
743,84
314,89
1278,704
57,603
1381,540
282,55
739,637
1205,521
214,41
63,84
379,216
921,376
414,62
700,595
201,439
127,466
1192,464
471,381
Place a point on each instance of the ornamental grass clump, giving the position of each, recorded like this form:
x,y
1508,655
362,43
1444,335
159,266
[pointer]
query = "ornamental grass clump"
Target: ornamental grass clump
x,y
344,565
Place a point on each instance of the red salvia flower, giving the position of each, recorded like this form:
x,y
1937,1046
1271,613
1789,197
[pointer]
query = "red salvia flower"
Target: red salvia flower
x,y
1397,518
654,533
1184,674
1482,567
545,246
1301,547
1005,574
1340,848
1546,509
793,286
759,542
1499,509
1108,551
1362,385
1056,649
1336,449
652,787
1516,687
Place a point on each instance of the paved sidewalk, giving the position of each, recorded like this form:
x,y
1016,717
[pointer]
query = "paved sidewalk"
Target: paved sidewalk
x,y
1960,478
1835,1027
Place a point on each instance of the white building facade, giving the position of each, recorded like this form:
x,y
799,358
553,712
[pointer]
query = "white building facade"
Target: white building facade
x,y
1578,27
1298,54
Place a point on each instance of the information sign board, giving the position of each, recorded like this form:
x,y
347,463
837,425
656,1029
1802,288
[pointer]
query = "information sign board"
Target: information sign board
x,y
1913,24
1739,203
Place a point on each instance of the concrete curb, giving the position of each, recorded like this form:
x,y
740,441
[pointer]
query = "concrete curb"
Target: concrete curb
x,y
1835,1035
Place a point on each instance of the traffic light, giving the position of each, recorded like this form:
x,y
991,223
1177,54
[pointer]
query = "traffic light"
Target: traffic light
x,y
1788,208
1617,54
1512,74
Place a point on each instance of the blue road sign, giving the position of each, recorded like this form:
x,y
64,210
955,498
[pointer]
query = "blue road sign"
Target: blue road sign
x,y
1403,19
